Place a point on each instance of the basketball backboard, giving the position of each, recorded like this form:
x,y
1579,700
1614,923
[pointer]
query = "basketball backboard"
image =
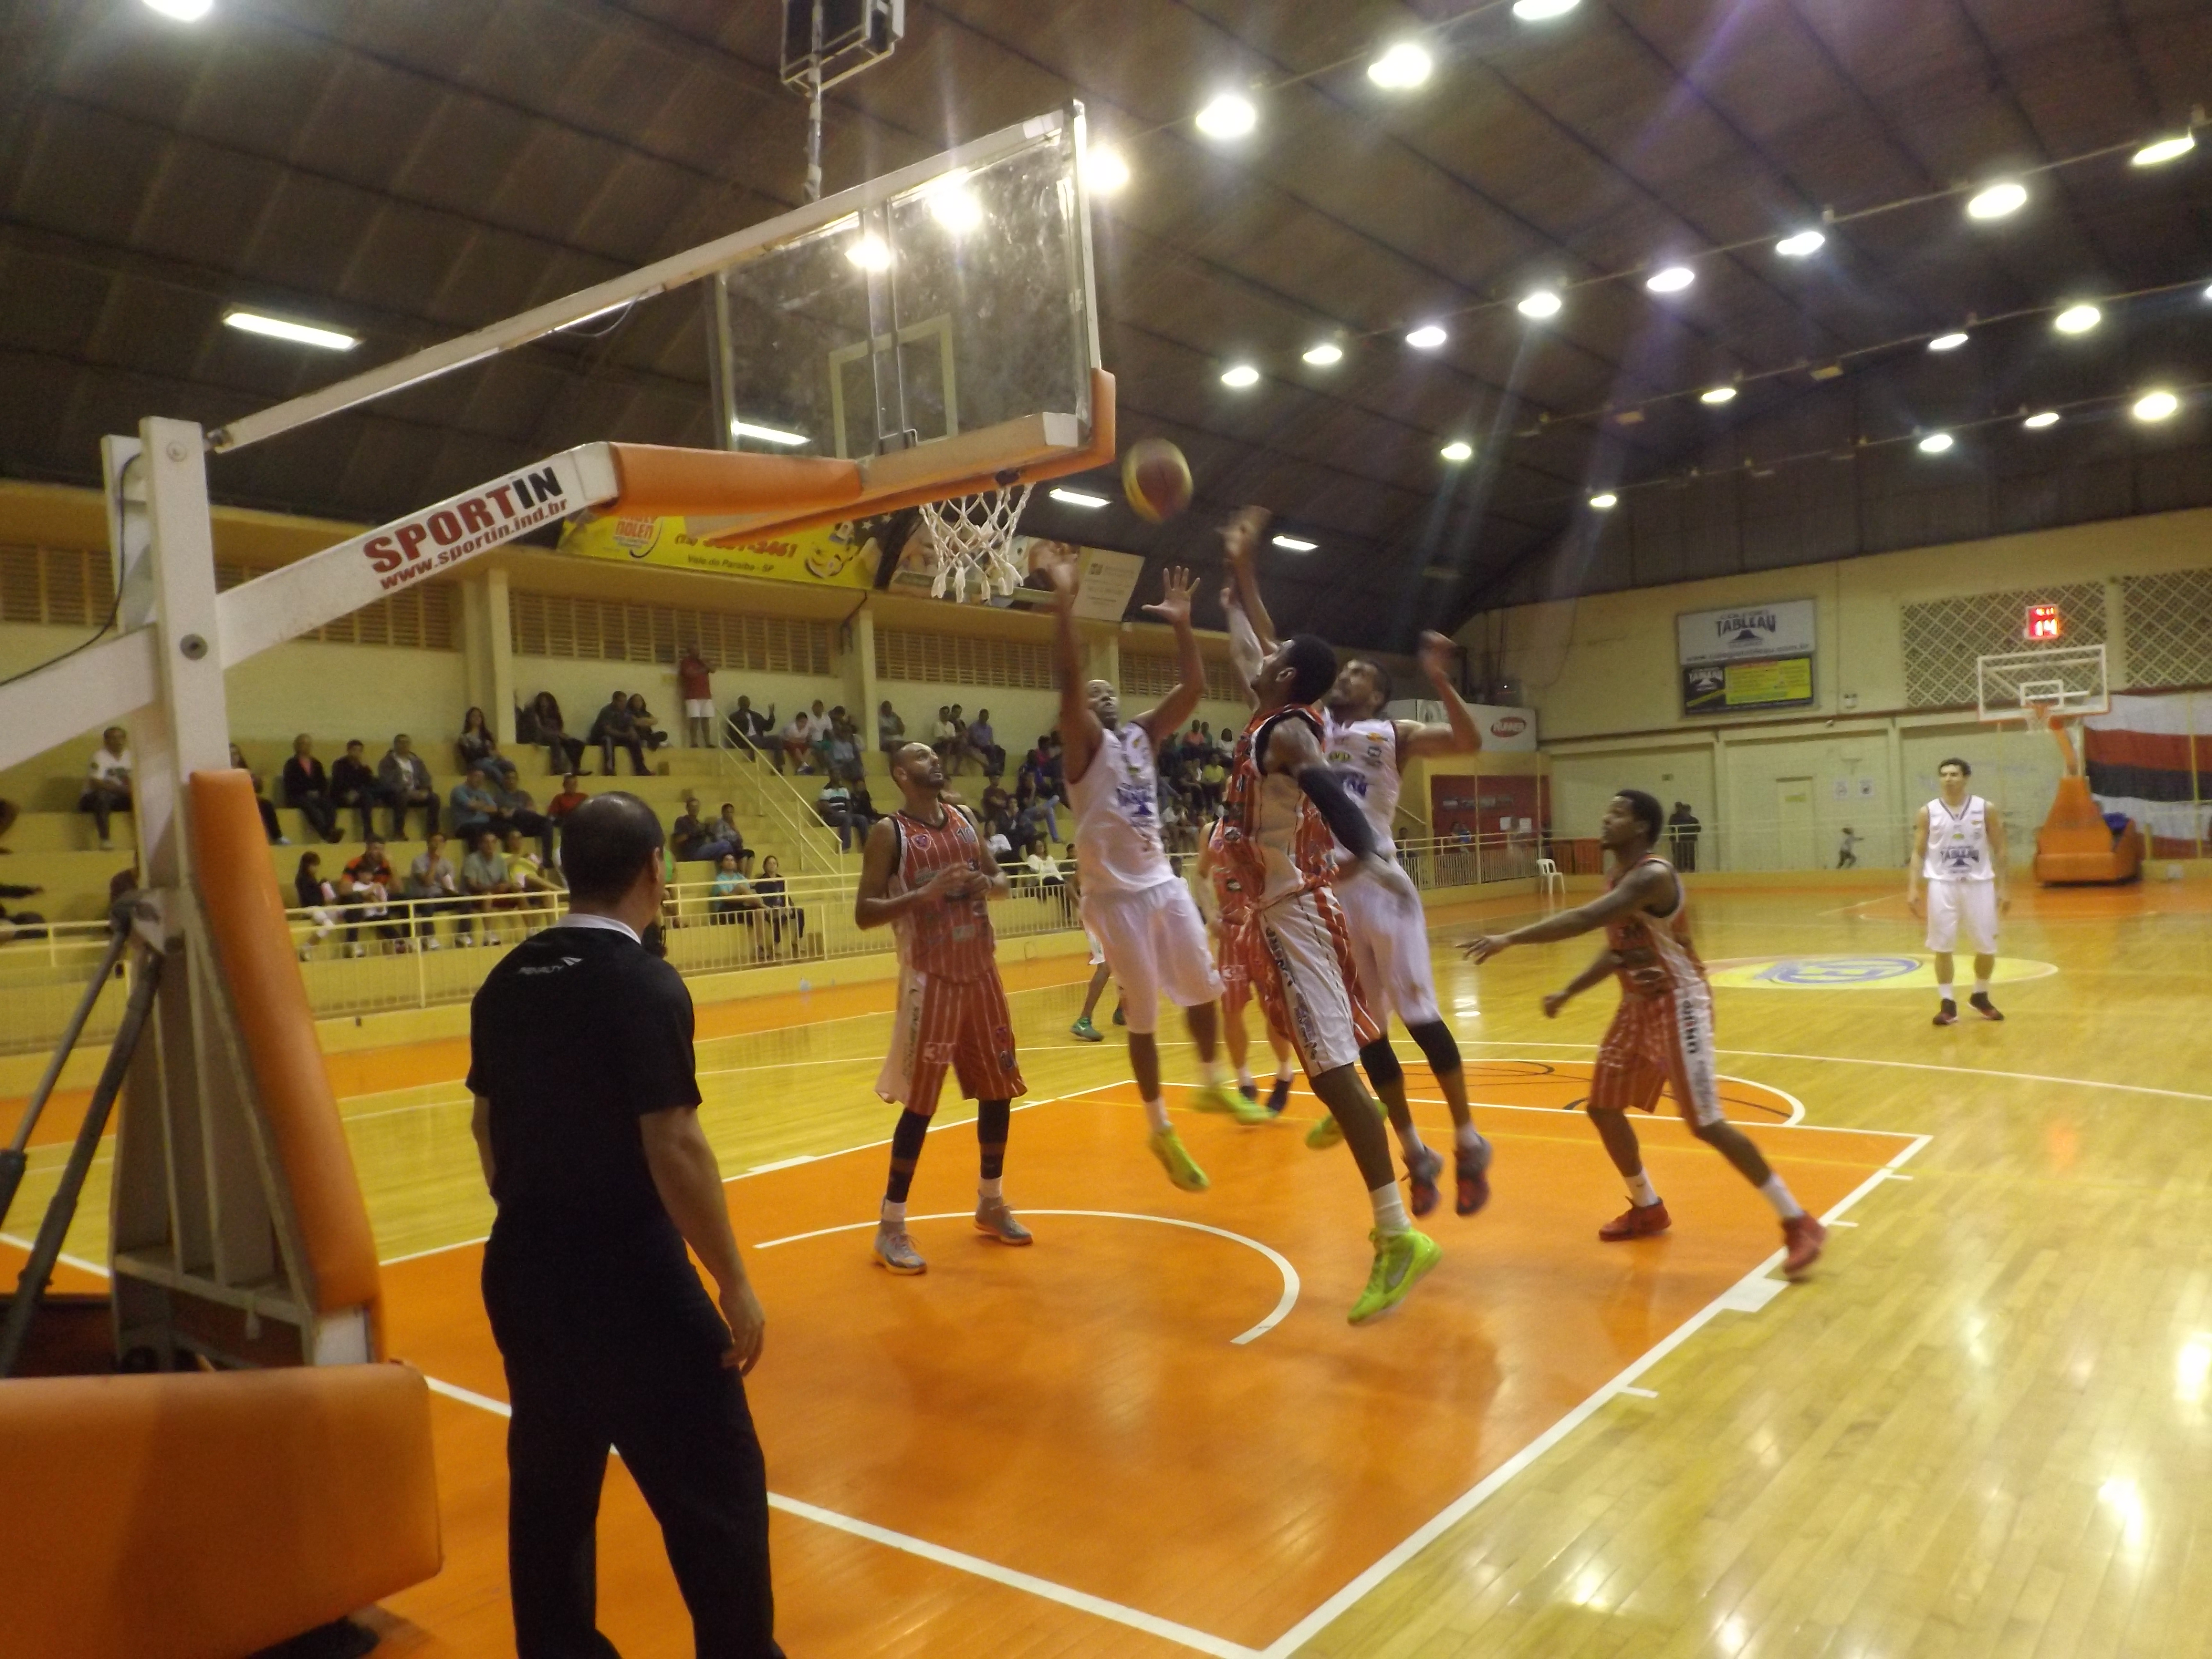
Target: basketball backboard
x,y
2061,684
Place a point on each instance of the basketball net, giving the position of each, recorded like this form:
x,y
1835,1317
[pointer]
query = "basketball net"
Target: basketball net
x,y
971,541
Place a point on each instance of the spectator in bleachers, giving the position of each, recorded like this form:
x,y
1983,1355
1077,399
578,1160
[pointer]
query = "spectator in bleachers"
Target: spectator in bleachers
x,y
270,827
782,914
533,883
862,810
749,729
569,798
945,739
477,746
614,728
983,744
307,789
354,784
724,832
832,805
471,807
798,746
695,683
433,886
565,753
484,883
890,729
689,836
731,898
641,718
518,810
841,754
365,895
107,784
402,778
1053,784
315,896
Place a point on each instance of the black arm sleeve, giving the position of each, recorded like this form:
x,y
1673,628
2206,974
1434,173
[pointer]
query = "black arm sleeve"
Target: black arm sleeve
x,y
1328,793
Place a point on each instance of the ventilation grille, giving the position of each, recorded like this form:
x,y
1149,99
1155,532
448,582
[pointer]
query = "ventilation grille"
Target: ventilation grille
x,y
1942,638
605,630
2169,625
909,654
67,587
1155,676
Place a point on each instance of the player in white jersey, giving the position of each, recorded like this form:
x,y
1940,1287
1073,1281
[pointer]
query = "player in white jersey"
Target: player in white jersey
x,y
1389,937
1958,879
1133,903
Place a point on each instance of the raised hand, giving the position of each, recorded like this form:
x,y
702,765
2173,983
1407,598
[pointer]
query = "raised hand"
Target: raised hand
x,y
1240,537
1062,567
1173,605
1435,655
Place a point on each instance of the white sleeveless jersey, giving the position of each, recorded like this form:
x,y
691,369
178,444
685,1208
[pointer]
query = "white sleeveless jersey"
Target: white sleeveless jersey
x,y
1365,753
1958,843
1117,817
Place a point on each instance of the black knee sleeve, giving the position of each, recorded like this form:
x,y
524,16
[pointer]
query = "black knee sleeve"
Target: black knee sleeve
x,y
1382,1067
1438,1047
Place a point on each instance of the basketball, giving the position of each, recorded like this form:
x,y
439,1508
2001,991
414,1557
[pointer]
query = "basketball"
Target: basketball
x,y
1156,478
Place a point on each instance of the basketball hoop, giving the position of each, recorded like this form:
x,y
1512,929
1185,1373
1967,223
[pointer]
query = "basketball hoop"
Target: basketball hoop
x,y
971,540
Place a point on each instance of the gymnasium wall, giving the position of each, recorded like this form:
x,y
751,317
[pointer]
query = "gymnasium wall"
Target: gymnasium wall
x,y
1774,792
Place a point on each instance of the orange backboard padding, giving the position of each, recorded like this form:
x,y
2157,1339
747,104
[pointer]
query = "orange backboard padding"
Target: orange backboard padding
x,y
193,1516
658,482
1099,452
2076,844
254,950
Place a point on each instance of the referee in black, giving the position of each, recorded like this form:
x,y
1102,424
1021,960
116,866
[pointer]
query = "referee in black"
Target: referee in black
x,y
580,1063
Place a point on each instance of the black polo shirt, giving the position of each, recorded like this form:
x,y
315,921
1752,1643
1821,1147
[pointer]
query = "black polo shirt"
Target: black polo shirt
x,y
576,1034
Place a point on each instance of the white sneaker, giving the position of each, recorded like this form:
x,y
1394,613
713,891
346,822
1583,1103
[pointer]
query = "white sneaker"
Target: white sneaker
x,y
463,941
357,950
324,931
430,943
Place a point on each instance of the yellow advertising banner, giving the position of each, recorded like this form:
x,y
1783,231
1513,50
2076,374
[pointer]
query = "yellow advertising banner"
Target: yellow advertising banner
x,y
827,557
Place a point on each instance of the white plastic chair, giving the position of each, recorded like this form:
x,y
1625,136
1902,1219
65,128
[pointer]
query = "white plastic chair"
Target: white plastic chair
x,y
1550,881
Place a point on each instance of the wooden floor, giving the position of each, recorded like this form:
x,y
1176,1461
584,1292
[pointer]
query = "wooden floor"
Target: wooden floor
x,y
1981,1429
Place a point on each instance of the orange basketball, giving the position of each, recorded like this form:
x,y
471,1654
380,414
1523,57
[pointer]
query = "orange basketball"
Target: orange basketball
x,y
1156,478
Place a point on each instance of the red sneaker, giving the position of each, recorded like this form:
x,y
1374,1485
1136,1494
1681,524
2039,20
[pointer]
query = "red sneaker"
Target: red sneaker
x,y
1421,1175
1804,1236
1471,1174
1637,1221
1946,1015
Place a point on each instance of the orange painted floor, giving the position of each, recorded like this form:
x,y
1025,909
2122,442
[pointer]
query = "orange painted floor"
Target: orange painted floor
x,y
1228,1490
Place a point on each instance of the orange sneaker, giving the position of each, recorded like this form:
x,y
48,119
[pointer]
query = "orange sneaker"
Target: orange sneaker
x,y
1804,1236
1637,1221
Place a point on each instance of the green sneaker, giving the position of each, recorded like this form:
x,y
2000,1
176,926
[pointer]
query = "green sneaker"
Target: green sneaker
x,y
1084,1030
1400,1262
1325,1133
1182,1170
1121,1014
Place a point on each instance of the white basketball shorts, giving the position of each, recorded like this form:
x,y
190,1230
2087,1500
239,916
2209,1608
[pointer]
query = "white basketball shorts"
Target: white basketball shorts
x,y
1962,906
1302,974
699,708
1155,941
1390,949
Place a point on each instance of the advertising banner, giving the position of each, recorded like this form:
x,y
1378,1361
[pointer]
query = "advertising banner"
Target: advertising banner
x,y
1745,632
827,557
1732,688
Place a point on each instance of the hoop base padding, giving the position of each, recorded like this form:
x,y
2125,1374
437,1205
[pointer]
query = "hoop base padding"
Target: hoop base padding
x,y
2075,845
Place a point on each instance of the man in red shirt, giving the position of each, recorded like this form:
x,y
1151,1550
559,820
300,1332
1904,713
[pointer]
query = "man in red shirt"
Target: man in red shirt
x,y
694,682
567,801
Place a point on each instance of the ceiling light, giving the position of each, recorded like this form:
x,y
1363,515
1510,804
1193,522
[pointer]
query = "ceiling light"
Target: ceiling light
x,y
1457,450
869,252
951,205
2077,320
1797,246
1078,497
1673,279
1240,375
1322,355
1950,342
2036,423
1104,171
1719,394
2155,405
1605,502
276,328
1229,116
1538,11
184,11
1295,545
1997,201
1543,303
767,434
1936,443
1406,65
1427,338
2165,150
1825,371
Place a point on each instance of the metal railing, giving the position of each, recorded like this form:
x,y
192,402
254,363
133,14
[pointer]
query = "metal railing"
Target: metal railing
x,y
780,798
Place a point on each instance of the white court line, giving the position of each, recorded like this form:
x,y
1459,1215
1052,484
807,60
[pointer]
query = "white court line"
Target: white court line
x,y
1737,1295
65,1258
1284,1303
1641,1394
1745,1123
960,1561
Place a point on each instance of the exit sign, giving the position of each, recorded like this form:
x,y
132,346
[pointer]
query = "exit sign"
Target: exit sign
x,y
2044,623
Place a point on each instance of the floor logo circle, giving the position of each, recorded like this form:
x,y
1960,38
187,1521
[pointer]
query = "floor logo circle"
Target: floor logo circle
x,y
1853,973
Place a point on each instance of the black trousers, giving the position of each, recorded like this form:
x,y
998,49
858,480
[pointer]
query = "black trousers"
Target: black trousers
x,y
654,1390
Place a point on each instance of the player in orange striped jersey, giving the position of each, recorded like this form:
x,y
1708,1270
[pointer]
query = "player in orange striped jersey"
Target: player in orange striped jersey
x,y
1283,816
1662,1036
1228,910
929,875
